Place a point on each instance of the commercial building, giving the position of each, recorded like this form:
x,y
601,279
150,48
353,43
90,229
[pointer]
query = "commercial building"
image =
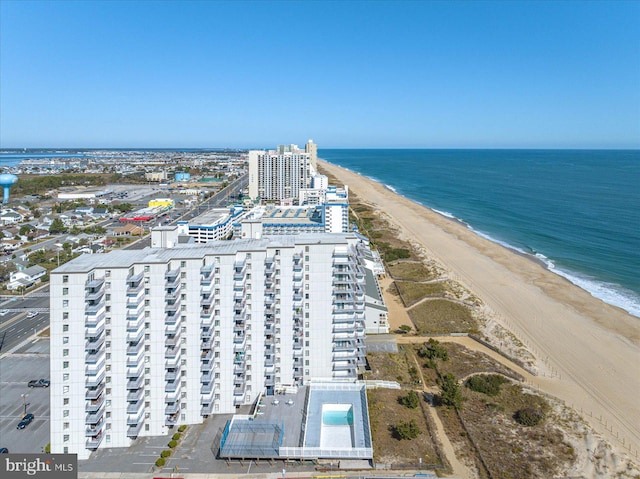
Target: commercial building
x,y
144,340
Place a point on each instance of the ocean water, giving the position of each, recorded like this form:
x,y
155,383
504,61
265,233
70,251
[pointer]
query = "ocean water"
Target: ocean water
x,y
577,210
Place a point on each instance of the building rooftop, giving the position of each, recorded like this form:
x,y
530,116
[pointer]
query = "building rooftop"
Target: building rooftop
x,y
126,258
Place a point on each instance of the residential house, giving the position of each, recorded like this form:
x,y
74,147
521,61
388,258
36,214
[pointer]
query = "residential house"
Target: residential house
x,y
25,278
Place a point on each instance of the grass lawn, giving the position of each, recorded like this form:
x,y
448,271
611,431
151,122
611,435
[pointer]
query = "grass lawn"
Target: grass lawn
x,y
439,316
411,271
411,292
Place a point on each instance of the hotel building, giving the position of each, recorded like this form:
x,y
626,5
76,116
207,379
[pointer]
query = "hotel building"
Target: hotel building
x,y
144,340
278,175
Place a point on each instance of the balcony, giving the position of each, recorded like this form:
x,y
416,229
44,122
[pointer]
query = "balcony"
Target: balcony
x,y
172,327
172,386
133,361
206,377
206,409
135,279
94,381
239,391
94,419
172,362
94,393
94,283
134,323
94,344
135,383
134,395
172,306
206,355
94,441
134,348
206,344
133,371
95,295
94,405
133,431
206,301
172,408
206,366
94,331
206,316
171,420
172,341
94,308
206,270
171,294
135,336
94,357
206,333
206,388
135,418
171,274
344,366
94,320
172,283
170,353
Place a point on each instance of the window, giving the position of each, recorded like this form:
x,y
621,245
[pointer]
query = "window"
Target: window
x,y
183,264
65,365
107,273
65,402
65,315
65,328
65,377
65,291
65,339
65,425
107,297
65,438
65,413
65,389
65,352
107,285
65,303
146,269
65,278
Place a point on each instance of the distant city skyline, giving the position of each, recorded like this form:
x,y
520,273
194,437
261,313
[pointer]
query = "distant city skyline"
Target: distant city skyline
x,y
168,74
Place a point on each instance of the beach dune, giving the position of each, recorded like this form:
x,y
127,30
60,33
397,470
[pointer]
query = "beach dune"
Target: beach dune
x,y
591,349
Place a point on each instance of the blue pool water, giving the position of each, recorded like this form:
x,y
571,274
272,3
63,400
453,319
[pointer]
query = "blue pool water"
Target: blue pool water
x,y
338,418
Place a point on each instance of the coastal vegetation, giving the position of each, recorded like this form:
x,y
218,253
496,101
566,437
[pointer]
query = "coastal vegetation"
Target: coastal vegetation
x,y
438,316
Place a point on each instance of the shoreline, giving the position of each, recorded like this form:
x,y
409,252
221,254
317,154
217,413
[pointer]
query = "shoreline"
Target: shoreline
x,y
613,294
593,347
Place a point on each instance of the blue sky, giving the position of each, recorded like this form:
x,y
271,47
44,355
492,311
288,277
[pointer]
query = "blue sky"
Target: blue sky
x,y
347,74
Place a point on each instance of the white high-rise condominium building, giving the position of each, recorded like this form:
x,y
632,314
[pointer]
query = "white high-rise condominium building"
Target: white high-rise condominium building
x,y
148,339
277,175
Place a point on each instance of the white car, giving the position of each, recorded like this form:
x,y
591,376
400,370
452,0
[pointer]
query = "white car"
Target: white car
x,y
32,314
3,312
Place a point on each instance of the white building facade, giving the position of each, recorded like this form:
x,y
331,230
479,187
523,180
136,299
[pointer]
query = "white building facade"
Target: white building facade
x,y
145,340
278,175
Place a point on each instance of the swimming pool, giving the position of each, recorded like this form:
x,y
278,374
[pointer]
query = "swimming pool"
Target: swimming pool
x,y
336,430
339,416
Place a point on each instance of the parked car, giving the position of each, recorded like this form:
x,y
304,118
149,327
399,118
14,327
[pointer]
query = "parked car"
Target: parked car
x,y
3,312
26,420
4,450
32,314
39,383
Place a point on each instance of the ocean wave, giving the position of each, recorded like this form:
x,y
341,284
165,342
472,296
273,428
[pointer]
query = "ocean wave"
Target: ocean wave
x,y
389,187
610,293
446,214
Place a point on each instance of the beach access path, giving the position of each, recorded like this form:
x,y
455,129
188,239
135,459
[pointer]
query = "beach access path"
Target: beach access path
x,y
593,348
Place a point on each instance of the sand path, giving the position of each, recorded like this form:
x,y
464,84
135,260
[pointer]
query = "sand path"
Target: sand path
x,y
594,348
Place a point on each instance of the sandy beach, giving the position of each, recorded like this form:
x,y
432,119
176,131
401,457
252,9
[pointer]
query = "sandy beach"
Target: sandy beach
x,y
591,349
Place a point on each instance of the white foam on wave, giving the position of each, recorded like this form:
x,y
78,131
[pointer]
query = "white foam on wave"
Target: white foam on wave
x,y
389,187
446,214
610,293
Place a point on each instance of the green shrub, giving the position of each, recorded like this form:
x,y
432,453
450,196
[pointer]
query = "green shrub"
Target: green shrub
x,y
411,400
182,428
433,350
176,436
528,416
407,430
165,453
47,448
486,384
450,394
405,328
160,462
173,443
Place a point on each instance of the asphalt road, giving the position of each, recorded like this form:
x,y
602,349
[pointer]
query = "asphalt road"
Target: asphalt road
x,y
15,327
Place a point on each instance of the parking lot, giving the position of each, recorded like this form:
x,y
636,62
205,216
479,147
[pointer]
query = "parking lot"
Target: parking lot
x,y
16,370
